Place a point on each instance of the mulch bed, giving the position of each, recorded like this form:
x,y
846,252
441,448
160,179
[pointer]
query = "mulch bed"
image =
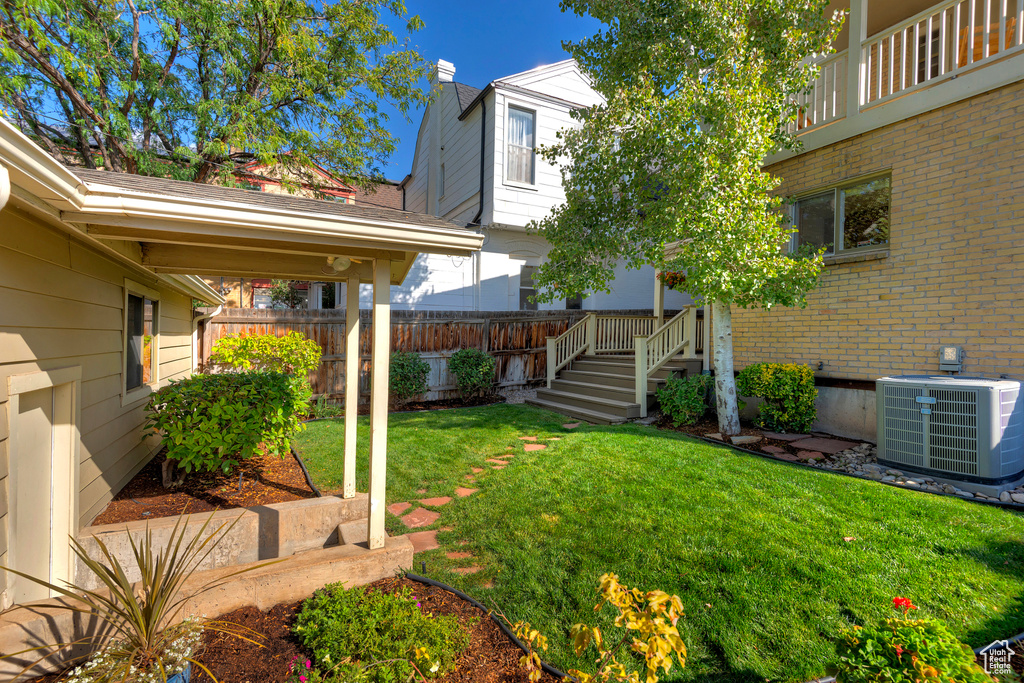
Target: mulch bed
x,y
261,480
709,425
490,658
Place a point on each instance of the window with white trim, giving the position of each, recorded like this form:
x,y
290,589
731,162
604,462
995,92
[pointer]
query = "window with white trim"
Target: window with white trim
x,y
527,288
521,148
141,333
848,217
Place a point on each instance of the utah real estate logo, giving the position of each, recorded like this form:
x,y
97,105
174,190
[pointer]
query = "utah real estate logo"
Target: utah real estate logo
x,y
996,658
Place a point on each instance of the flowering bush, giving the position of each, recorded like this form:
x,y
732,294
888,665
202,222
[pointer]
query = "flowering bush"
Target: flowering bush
x,y
356,634
100,667
905,650
673,280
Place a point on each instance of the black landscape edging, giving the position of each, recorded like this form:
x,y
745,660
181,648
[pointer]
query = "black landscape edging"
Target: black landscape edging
x,y
1015,507
501,624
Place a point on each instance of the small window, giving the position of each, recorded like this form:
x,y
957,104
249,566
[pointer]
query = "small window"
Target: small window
x,y
141,317
521,143
845,218
574,303
526,289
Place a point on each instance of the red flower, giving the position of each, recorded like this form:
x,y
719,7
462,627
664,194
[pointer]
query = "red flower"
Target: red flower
x,y
899,650
903,604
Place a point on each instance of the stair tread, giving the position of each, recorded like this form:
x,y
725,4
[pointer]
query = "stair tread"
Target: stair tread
x,y
590,415
610,402
594,385
606,374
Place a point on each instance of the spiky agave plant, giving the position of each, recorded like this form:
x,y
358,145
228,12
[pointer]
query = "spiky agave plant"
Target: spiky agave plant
x,y
142,618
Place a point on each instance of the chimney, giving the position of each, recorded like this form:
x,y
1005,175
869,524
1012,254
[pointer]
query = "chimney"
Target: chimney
x,y
444,72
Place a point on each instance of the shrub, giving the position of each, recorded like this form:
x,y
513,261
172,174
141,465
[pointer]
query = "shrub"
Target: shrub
x,y
408,376
473,370
685,400
348,629
904,650
211,422
788,392
292,354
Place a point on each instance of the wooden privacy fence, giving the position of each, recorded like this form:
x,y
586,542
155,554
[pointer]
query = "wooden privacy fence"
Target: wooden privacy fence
x,y
516,339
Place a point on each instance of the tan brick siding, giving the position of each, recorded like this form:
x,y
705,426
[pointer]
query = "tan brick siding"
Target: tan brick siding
x,y
955,269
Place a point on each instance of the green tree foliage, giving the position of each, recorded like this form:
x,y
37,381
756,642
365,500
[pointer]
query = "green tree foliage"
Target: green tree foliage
x,y
285,294
128,84
697,95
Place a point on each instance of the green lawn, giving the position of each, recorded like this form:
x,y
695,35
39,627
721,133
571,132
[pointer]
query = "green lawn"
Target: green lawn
x,y
755,548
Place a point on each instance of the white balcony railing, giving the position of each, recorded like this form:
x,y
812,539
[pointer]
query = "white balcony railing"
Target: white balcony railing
x,y
826,100
950,37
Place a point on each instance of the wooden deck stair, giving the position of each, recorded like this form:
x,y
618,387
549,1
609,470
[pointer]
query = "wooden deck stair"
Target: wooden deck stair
x,y
600,388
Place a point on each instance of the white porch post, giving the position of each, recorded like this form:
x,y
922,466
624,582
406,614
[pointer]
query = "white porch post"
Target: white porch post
x,y
314,300
351,384
856,68
707,337
338,303
659,298
379,359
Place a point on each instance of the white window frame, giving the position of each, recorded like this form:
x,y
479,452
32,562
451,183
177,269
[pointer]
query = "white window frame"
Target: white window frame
x,y
837,222
129,396
509,106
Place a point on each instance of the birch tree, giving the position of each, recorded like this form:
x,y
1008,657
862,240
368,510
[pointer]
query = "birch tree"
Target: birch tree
x,y
698,94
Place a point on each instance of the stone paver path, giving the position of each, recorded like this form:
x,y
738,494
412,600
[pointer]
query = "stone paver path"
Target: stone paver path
x,y
774,450
467,570
421,491
787,457
534,447
571,425
436,502
420,517
477,470
463,492
775,436
714,435
527,438
461,555
495,461
830,446
398,508
745,440
810,455
470,478
423,540
497,467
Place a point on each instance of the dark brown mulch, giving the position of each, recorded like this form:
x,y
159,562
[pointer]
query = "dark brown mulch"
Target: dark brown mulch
x,y
490,658
261,480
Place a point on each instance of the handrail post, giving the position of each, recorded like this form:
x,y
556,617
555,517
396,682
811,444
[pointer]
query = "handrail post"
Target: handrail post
x,y
552,360
592,333
691,330
640,348
856,69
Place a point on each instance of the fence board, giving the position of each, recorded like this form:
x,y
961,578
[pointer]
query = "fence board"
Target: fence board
x,y
516,339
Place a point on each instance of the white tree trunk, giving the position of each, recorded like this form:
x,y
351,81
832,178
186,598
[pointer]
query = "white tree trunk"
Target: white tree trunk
x,y
725,380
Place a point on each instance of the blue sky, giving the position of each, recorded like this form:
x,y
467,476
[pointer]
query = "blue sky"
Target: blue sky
x,y
485,40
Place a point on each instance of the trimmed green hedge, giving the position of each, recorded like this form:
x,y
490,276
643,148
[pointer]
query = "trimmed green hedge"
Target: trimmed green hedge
x,y
473,370
788,391
684,400
407,376
212,422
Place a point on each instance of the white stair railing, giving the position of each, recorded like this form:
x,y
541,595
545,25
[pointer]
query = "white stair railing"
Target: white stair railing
x,y
654,351
576,340
615,333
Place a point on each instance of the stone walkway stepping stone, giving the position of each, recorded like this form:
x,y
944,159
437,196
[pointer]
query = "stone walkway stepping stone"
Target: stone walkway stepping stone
x,y
460,555
506,458
534,447
495,461
398,508
497,467
571,425
714,435
462,493
830,446
477,470
774,450
810,455
467,570
420,517
775,436
787,457
470,478
436,502
421,490
527,438
554,438
423,540
745,440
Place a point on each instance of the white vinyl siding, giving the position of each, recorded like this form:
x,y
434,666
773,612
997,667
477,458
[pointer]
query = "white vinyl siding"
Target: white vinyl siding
x,y
520,147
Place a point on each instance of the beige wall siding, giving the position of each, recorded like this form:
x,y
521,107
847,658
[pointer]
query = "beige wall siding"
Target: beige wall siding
x,y
61,304
956,252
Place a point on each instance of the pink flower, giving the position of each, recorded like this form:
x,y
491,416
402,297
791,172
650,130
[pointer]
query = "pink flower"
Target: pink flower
x,y
308,664
417,604
302,679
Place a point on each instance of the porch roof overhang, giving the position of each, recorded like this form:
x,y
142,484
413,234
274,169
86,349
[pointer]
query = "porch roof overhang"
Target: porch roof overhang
x,y
188,229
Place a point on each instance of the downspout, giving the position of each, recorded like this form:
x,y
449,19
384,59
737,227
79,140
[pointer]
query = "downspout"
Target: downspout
x,y
480,212
195,337
5,186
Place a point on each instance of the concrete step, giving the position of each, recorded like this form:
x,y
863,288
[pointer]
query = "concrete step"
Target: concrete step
x,y
623,409
354,533
593,416
623,368
598,389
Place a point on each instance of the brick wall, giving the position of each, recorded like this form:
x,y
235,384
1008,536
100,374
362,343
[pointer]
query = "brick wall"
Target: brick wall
x,y
954,273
